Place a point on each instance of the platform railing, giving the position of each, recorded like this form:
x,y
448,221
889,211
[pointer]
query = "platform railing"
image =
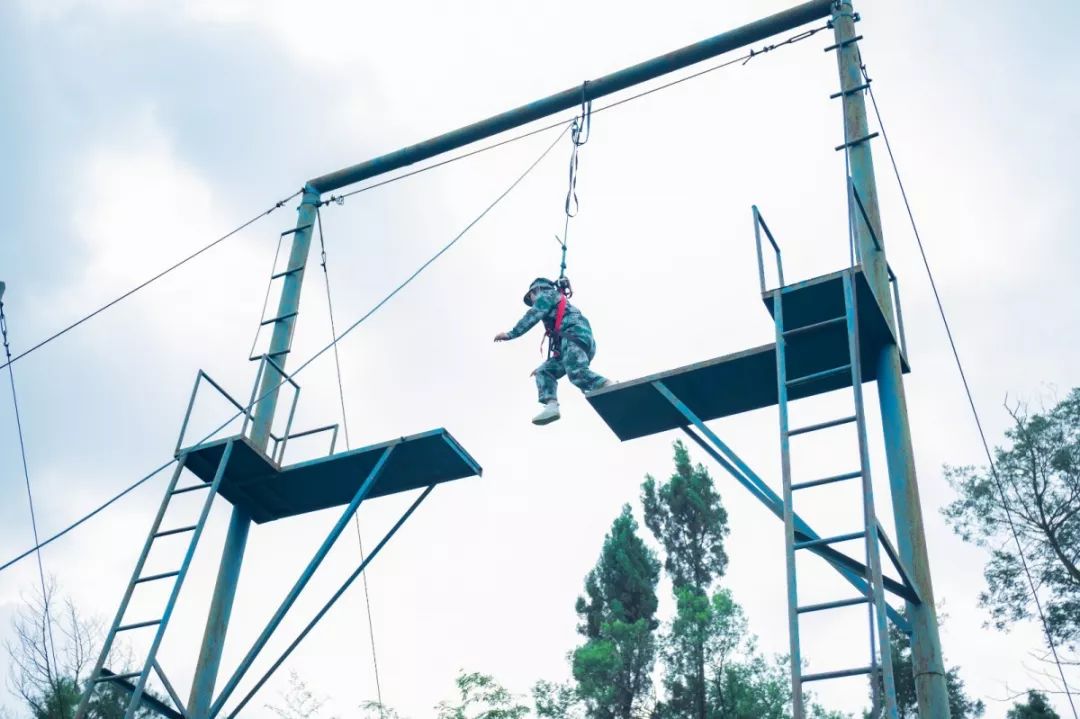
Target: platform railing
x,y
265,361
897,320
199,378
759,225
894,283
277,452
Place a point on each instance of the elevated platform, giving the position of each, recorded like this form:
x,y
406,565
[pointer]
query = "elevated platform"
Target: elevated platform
x,y
746,380
253,482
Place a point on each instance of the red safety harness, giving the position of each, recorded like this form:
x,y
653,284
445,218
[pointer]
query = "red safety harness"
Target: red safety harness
x,y
553,334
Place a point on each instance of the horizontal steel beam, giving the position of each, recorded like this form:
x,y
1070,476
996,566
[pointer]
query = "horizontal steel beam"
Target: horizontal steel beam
x,y
642,72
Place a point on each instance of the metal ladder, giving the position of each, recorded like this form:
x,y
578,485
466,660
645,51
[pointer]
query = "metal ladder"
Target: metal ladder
x,y
275,275
880,669
101,675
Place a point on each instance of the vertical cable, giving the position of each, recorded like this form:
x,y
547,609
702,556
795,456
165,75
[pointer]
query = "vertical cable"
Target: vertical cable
x,y
48,644
348,446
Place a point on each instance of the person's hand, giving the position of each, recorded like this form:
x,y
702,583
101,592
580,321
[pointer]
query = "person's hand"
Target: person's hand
x,y
502,337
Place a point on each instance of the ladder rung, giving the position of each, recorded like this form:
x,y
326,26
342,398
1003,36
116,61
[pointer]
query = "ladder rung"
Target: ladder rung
x,y
138,625
829,540
279,353
296,229
836,675
852,91
287,272
192,488
844,43
815,326
821,425
153,577
827,480
832,605
818,375
853,143
117,677
178,530
272,320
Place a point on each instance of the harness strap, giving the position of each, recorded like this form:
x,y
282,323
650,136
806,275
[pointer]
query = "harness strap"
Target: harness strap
x,y
552,335
560,312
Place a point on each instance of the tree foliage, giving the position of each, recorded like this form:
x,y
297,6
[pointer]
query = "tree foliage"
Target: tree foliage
x,y
618,620
298,702
49,685
622,585
1036,707
481,697
557,701
1039,470
687,517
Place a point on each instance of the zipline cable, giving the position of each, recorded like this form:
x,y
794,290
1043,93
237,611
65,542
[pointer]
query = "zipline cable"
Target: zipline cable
x,y
741,59
48,643
348,446
156,277
970,397
341,198
91,514
311,359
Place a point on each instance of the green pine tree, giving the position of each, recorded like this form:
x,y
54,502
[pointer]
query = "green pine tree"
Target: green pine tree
x,y
618,620
687,517
1036,707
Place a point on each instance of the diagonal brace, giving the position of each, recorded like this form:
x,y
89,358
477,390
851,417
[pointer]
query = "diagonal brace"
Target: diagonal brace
x,y
890,550
851,569
169,688
326,607
305,577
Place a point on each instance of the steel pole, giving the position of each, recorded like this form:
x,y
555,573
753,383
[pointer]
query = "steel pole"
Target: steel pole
x,y
217,621
650,69
929,668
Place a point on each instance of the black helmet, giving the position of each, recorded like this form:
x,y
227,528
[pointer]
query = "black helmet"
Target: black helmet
x,y
539,282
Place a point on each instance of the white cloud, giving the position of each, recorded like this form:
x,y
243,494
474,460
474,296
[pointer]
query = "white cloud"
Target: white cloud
x,y
143,207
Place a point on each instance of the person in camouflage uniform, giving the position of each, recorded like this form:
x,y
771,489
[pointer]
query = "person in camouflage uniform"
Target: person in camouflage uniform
x,y
573,346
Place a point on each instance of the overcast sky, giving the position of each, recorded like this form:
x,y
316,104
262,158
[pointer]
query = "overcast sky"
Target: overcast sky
x,y
137,131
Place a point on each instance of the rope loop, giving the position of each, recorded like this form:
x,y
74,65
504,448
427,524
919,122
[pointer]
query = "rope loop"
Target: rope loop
x,y
582,127
3,330
580,132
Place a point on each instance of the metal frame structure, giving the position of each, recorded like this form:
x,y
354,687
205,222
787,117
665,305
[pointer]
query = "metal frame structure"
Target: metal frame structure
x,y
216,457
886,366
249,467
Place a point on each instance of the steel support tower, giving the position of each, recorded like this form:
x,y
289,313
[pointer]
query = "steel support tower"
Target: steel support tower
x,y
858,339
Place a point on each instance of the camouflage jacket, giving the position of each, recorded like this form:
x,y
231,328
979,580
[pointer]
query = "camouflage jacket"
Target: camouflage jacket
x,y
574,323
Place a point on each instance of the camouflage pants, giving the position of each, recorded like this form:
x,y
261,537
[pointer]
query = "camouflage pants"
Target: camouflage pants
x,y
573,361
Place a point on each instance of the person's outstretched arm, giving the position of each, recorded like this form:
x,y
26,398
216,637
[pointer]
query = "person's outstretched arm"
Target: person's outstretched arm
x,y
544,304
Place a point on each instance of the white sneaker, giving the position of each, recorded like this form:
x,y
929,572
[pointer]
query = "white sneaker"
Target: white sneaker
x,y
549,414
